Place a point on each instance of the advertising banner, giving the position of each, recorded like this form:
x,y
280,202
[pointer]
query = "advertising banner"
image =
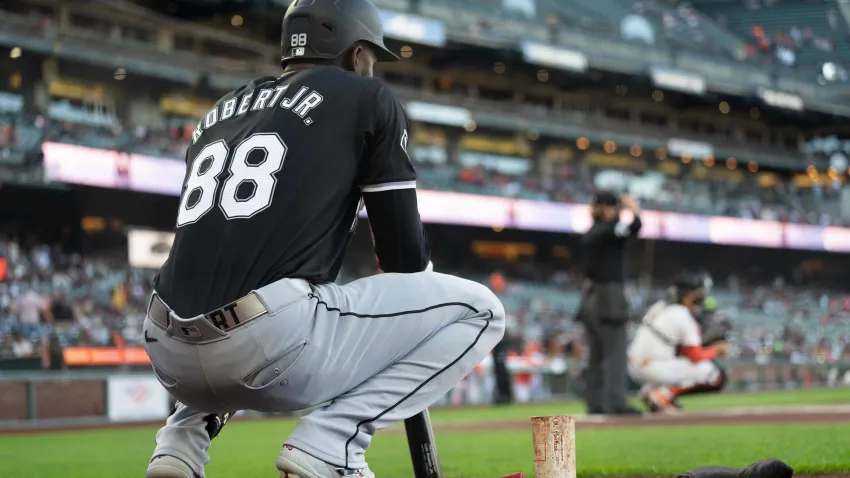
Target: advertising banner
x,y
111,169
136,398
94,356
148,249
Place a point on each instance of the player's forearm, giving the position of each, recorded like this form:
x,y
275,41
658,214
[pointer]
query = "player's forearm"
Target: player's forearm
x,y
698,353
401,243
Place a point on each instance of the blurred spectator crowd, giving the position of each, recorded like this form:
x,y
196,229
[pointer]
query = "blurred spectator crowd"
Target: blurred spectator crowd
x,y
50,300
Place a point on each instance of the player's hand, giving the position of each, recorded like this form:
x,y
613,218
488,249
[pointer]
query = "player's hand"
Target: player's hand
x,y
723,348
629,203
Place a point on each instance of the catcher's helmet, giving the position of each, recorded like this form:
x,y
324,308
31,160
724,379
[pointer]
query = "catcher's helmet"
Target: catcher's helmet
x,y
688,282
325,29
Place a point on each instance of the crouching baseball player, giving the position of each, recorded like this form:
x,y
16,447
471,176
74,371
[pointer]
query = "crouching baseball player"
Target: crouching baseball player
x,y
666,353
245,314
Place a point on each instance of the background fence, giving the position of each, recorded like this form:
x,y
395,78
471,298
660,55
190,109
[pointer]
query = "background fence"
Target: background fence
x,y
38,399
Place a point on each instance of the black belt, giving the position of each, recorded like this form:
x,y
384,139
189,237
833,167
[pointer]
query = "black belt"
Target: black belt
x,y
232,315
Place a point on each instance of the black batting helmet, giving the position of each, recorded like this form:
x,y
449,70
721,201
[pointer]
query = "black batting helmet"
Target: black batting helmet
x,y
325,29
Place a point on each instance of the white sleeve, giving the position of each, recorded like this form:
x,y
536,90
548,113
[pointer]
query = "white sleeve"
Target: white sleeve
x,y
690,334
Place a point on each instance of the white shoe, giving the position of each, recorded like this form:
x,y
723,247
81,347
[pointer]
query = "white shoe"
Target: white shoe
x,y
294,463
165,466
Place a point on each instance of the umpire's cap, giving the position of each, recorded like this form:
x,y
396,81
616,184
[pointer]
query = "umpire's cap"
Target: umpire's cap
x,y
325,29
606,198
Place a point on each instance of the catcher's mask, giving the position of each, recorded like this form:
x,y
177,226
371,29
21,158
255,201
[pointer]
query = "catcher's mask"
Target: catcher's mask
x,y
690,290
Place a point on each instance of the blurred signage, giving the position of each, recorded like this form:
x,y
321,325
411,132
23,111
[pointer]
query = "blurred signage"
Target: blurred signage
x,y
781,99
10,102
636,27
553,56
136,398
495,145
103,168
694,149
677,80
93,356
181,106
148,249
438,114
403,26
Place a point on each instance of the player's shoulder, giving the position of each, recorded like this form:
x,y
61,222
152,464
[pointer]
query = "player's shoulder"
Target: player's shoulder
x,y
246,88
342,80
678,312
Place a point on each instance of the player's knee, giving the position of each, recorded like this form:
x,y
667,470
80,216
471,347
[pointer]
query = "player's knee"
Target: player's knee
x,y
494,305
486,300
716,379
722,378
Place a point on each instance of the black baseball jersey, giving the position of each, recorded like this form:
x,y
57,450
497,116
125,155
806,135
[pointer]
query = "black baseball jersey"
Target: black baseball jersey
x,y
275,176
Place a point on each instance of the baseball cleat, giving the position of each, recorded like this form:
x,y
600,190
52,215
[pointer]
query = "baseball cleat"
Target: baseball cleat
x,y
294,463
658,402
165,466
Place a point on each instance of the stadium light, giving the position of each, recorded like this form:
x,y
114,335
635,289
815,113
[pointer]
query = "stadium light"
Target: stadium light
x,y
15,53
582,143
724,107
731,163
833,174
753,166
237,20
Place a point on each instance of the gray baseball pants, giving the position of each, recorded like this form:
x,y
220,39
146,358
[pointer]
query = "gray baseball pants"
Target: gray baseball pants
x,y
375,351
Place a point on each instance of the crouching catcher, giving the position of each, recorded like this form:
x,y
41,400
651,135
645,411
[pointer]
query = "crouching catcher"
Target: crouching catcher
x,y
669,355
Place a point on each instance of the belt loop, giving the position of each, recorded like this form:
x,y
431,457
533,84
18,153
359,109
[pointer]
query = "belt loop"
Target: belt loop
x,y
150,301
170,317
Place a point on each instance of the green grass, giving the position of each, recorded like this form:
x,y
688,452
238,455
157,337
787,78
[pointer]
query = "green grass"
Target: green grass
x,y
247,449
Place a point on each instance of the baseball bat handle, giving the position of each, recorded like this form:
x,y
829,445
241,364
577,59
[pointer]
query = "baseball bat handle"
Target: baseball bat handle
x,y
423,447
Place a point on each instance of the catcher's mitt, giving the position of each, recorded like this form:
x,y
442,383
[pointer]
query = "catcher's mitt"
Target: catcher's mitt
x,y
717,331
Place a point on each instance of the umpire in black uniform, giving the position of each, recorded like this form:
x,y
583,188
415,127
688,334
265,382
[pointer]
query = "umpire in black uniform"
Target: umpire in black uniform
x,y
604,309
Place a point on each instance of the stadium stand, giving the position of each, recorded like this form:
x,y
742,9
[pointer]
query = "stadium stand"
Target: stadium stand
x,y
792,33
531,141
